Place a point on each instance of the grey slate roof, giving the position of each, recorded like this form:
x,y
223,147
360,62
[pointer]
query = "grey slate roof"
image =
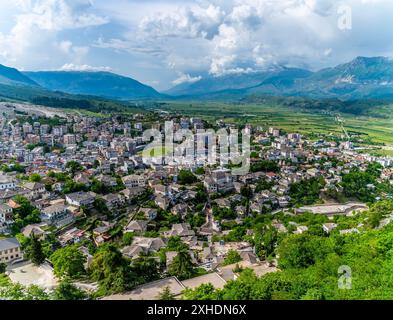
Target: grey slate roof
x,y
9,243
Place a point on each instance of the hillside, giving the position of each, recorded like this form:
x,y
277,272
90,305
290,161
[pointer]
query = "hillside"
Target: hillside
x,y
11,76
102,84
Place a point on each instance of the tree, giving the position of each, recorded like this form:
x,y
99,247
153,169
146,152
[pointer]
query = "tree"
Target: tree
x,y
36,254
246,192
232,257
306,192
378,211
72,186
265,242
265,165
176,244
355,185
67,291
25,208
100,206
199,171
166,294
128,237
241,289
98,187
111,270
186,177
181,265
74,167
3,267
263,184
146,268
35,177
205,291
302,250
68,262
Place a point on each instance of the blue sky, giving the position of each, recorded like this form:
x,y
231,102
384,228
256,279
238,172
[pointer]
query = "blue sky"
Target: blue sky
x,y
168,42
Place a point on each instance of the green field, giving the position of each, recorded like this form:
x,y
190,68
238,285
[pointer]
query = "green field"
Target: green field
x,y
371,129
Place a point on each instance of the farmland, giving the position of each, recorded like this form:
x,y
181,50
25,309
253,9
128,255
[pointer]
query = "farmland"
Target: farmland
x,y
370,129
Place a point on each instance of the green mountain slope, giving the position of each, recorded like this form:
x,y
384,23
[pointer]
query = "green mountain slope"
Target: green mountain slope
x,y
102,84
11,76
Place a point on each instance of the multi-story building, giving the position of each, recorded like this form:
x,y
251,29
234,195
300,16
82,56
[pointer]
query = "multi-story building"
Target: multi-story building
x,y
7,182
69,139
10,250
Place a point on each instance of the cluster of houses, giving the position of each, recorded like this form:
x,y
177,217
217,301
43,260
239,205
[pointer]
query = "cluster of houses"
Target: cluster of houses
x,y
108,153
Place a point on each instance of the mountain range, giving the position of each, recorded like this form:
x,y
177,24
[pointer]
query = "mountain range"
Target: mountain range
x,y
362,78
102,84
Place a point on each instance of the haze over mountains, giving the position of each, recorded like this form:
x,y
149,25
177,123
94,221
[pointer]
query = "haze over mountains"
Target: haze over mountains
x,y
362,78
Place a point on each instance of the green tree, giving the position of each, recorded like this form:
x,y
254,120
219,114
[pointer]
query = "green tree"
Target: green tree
x,y
111,270
67,291
35,177
199,171
3,267
265,241
246,192
146,268
302,250
176,244
232,257
128,237
36,254
203,292
181,265
241,289
68,262
186,177
74,167
307,191
166,294
355,185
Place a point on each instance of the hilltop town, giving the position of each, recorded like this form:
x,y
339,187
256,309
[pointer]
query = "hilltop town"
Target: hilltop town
x,y
79,205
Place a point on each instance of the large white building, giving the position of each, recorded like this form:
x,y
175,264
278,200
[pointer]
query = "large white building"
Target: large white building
x,y
10,250
7,182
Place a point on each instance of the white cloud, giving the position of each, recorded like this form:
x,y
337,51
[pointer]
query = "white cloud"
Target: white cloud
x,y
37,23
185,78
84,67
170,39
188,22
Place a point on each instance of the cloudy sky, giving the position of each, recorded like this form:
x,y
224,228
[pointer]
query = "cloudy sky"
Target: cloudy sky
x,y
168,42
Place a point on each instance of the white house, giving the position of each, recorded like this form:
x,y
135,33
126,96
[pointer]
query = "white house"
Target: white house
x,y
10,250
80,199
7,182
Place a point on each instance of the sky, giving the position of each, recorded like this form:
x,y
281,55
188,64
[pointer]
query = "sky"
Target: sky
x,y
169,42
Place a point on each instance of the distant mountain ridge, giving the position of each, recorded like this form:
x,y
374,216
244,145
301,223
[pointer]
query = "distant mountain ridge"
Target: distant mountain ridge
x,y
283,76
11,76
362,78
102,84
